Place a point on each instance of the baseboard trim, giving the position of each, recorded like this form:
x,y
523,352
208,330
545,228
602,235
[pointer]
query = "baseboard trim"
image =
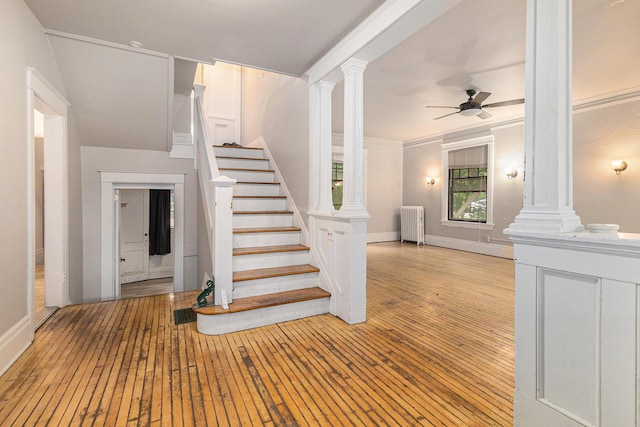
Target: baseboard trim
x,y
14,342
501,251
160,273
389,236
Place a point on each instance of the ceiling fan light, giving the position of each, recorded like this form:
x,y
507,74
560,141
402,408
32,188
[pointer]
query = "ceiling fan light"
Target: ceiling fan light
x,y
470,112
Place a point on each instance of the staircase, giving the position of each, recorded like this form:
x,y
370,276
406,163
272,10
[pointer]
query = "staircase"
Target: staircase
x,y
272,278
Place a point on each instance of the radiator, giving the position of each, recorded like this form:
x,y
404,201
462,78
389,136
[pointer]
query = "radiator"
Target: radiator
x,y
412,224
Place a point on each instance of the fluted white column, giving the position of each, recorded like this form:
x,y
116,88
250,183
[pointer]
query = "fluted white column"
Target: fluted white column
x,y
548,184
353,172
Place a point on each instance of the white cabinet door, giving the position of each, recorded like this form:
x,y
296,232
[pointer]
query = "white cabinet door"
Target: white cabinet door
x,y
134,235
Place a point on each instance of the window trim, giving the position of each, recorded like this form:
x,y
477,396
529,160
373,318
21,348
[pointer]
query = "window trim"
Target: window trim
x,y
467,143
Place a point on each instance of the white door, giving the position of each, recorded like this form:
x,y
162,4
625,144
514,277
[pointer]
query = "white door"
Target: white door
x,y
134,235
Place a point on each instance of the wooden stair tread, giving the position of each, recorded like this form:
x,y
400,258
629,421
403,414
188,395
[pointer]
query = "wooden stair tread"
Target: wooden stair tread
x,y
268,249
264,301
259,197
264,273
246,170
266,230
262,212
241,158
257,182
238,148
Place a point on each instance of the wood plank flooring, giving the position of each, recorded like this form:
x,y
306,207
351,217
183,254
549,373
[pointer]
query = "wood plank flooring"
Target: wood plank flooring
x,y
437,349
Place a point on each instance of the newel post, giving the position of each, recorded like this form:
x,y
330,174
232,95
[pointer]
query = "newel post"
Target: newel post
x,y
222,230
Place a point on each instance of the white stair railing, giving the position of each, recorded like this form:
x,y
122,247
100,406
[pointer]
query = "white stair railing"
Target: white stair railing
x,y
216,192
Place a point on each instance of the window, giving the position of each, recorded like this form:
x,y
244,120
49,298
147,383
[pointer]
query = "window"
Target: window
x,y
467,168
336,184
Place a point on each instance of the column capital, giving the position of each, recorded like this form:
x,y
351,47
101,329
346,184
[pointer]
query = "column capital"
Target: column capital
x,y
325,86
354,65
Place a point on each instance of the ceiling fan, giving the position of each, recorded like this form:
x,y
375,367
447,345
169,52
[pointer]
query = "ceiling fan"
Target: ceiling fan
x,y
473,106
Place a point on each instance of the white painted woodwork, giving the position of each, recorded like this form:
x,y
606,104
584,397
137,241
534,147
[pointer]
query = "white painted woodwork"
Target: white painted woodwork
x,y
233,322
259,204
41,95
109,235
222,102
275,259
222,230
238,152
548,187
217,194
249,176
253,189
262,220
248,240
577,293
242,163
353,173
340,243
134,235
325,203
270,285
577,330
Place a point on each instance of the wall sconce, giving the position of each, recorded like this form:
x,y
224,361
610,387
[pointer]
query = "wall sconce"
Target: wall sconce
x,y
511,173
430,181
618,166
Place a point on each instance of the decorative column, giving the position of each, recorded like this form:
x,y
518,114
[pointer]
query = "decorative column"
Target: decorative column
x,y
548,184
324,92
353,173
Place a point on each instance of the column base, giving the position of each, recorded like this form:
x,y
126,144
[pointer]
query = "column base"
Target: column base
x,y
546,222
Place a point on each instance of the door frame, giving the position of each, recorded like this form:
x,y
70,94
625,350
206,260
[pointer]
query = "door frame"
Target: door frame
x,y
41,94
111,183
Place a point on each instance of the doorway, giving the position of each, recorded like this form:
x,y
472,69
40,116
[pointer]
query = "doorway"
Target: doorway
x,y
112,184
47,200
146,242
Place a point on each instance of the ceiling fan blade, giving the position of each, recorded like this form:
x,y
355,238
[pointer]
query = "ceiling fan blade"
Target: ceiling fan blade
x,y
440,106
484,115
480,97
505,103
446,115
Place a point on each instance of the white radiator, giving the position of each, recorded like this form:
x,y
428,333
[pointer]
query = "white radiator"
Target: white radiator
x,y
412,224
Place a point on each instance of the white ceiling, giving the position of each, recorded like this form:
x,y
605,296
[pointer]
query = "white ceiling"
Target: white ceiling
x,y
481,45
476,44
280,35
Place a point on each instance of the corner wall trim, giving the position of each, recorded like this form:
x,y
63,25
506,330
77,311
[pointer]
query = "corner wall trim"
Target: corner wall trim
x,y
14,342
501,251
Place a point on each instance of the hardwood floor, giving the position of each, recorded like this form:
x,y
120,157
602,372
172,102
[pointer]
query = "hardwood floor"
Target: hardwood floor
x,y
437,349
147,288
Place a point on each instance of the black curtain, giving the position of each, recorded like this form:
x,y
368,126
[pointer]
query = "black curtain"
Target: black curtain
x,y
159,222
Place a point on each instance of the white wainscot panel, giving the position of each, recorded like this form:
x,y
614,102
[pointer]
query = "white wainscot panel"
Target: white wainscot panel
x,y
568,333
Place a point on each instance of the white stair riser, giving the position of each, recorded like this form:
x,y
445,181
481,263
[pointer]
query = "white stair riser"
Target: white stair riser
x,y
256,190
276,259
262,220
249,176
238,152
243,163
259,204
270,285
233,322
249,240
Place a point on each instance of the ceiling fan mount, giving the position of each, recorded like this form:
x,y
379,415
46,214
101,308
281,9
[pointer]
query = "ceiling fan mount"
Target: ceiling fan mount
x,y
473,106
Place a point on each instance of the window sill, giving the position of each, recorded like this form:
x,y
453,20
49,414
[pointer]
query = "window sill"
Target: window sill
x,y
463,224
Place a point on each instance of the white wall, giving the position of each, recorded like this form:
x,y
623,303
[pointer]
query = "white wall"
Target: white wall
x,y
599,136
23,44
383,186
276,107
426,160
95,159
